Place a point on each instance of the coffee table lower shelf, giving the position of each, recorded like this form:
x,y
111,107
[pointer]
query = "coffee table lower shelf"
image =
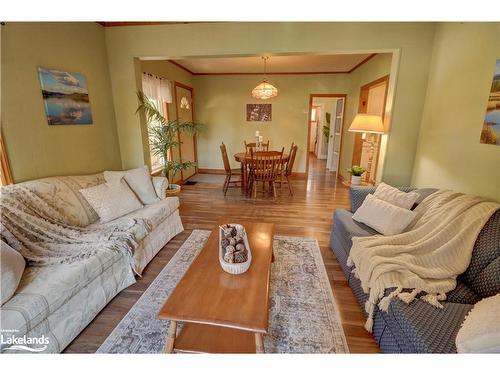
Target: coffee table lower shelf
x,y
205,338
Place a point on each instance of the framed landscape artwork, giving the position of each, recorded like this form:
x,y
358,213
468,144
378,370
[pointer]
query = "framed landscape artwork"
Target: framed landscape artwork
x,y
490,133
65,97
259,112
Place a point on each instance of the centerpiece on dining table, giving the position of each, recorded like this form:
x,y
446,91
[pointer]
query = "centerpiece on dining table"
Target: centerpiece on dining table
x,y
234,250
258,141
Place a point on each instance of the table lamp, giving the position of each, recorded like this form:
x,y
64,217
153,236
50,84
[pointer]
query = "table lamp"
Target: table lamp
x,y
373,124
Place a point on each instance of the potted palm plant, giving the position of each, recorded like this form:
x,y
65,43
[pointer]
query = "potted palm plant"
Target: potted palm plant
x,y
356,172
163,139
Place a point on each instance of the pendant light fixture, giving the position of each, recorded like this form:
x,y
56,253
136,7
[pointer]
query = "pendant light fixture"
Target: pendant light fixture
x,y
264,90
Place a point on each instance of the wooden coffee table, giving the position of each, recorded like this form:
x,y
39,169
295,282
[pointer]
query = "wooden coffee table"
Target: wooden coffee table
x,y
220,312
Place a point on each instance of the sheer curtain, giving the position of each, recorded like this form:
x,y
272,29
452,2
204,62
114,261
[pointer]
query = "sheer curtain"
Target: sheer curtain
x,y
159,91
156,88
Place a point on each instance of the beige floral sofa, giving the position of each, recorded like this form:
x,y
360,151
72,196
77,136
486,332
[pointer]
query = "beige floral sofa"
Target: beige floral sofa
x,y
57,302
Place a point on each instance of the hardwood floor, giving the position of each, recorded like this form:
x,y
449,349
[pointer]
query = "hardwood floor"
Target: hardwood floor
x,y
306,214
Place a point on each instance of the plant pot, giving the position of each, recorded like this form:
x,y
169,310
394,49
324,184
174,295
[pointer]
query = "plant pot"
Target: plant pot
x,y
173,190
355,180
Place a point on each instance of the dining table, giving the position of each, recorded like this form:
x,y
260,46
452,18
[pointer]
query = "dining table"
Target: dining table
x,y
244,159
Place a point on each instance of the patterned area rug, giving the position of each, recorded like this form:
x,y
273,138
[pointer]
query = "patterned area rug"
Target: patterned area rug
x,y
303,317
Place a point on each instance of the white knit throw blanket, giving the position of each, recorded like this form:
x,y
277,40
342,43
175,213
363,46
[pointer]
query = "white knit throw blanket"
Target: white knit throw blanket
x,y
435,248
40,233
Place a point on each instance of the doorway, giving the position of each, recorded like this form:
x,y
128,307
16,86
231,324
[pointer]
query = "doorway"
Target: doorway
x,y
325,125
372,100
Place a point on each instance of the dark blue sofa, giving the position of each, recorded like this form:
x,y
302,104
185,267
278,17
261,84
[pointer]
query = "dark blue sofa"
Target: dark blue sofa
x,y
420,327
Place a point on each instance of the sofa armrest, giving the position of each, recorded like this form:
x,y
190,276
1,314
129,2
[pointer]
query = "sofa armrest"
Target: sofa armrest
x,y
160,184
357,195
425,328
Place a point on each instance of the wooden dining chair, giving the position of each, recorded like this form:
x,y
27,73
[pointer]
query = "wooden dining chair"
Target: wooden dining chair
x,y
287,169
229,172
264,167
253,145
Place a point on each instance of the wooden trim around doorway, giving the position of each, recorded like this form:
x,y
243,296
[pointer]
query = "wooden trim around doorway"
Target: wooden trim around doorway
x,y
189,88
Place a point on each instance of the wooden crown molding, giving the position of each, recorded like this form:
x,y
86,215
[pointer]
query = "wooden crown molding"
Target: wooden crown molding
x,y
271,73
183,67
140,23
362,62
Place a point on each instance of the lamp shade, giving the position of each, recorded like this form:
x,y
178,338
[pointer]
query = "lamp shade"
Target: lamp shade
x,y
363,123
264,91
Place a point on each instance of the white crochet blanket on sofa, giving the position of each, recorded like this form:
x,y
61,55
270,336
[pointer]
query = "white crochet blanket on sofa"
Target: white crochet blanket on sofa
x,y
435,248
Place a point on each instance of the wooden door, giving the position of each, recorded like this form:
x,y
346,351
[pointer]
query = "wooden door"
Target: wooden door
x,y
336,126
185,112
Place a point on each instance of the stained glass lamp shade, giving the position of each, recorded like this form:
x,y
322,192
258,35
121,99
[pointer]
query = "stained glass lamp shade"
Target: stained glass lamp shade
x,y
264,91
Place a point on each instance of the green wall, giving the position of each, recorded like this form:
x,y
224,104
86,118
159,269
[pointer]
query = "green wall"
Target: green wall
x,y
413,42
36,149
449,154
376,68
454,85
221,105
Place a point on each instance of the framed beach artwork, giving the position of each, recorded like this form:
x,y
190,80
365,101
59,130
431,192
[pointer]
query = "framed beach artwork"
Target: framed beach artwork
x,y
259,112
490,133
65,97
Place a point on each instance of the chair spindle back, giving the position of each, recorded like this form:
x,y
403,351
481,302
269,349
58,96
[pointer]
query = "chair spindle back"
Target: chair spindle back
x,y
266,165
225,159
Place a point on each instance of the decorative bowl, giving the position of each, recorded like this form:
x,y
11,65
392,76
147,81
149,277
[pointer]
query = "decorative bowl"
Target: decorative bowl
x,y
235,268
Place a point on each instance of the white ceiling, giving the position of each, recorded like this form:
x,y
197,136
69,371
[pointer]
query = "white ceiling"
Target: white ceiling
x,y
275,64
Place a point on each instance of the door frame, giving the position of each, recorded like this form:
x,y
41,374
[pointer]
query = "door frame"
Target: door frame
x,y
310,122
311,98
362,107
189,88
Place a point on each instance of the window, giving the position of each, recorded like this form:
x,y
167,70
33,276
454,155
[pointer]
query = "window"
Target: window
x,y
159,91
5,175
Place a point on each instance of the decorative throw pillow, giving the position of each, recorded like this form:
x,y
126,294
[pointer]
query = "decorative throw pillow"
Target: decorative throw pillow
x,y
161,186
395,196
480,331
139,181
382,216
12,266
111,200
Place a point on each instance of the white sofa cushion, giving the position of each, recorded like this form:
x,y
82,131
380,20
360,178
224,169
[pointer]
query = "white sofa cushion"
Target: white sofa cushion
x,y
139,181
154,213
111,200
163,216
382,216
480,332
395,196
12,266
